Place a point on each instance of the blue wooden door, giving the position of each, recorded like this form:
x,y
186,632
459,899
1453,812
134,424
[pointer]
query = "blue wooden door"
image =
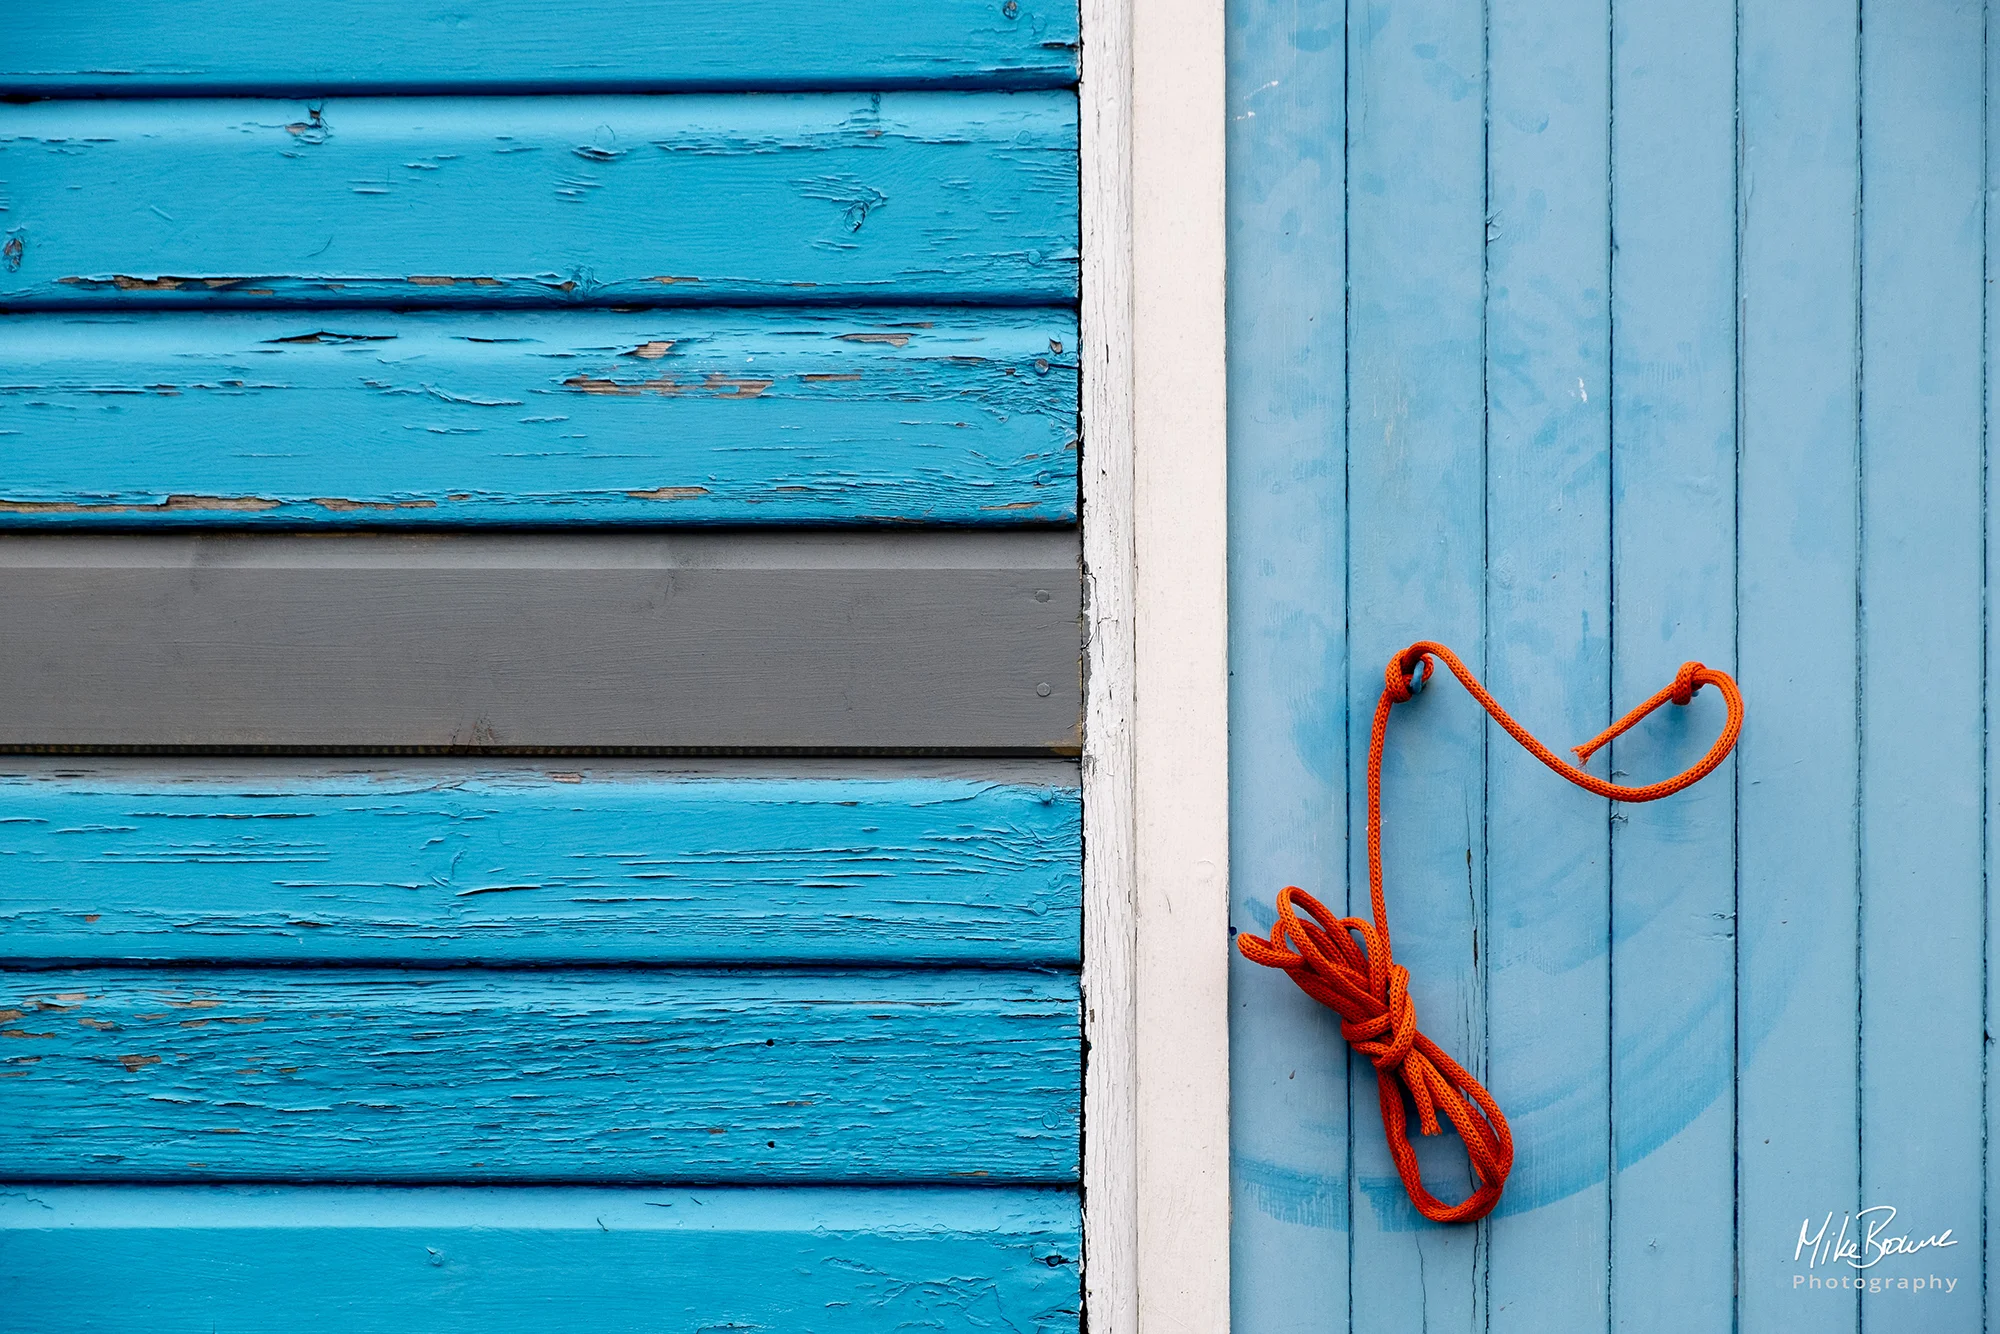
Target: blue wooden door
x,y
538,777
1589,339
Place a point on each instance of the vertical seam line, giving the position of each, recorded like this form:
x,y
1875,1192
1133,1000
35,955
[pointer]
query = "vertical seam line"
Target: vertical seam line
x,y
1860,258
1347,567
1736,659
1985,650
1483,918
1611,660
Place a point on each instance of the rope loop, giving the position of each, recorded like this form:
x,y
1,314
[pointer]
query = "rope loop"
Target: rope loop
x,y
1347,964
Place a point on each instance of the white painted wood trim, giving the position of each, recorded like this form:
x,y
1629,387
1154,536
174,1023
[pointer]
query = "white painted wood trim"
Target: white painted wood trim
x,y
1156,776
1181,656
1111,1081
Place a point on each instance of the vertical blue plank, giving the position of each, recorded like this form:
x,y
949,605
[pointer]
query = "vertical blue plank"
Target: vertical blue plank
x,y
1798,1134
1548,605
1673,459
1922,597
1416,544
1288,809
1989,1294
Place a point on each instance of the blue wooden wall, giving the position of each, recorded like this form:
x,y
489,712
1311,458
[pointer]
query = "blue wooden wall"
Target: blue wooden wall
x,y
308,1033
1590,338
491,1047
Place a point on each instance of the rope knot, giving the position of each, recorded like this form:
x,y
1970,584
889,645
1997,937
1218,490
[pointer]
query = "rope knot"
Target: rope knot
x,y
1686,681
1345,964
1385,1035
1402,681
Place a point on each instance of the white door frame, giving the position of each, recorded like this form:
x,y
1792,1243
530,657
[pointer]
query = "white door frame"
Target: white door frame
x,y
1155,760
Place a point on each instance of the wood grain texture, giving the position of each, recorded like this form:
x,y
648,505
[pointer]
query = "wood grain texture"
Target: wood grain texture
x,y
99,47
1990,1270
1923,591
956,641
1180,605
1548,527
363,1260
1288,614
1673,463
1111,1153
556,1076
1797,975
440,863
1416,428
484,201
671,417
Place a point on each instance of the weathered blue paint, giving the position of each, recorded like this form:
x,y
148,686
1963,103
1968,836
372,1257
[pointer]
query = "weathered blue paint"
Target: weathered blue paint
x,y
686,264
442,863
365,1260
122,47
484,1075
682,416
1663,341
480,201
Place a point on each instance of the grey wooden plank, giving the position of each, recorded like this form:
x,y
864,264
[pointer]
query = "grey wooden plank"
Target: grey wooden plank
x,y
274,773
776,641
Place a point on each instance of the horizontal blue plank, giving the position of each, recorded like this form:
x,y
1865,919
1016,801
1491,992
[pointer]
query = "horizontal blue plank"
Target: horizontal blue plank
x,y
71,47
674,416
435,864
594,1076
193,1260
479,201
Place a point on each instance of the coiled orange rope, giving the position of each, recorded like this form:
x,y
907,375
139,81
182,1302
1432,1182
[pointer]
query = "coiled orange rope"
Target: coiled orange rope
x,y
1346,962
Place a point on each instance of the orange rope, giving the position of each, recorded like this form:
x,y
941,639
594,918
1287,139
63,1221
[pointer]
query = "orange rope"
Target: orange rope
x,y
1346,963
